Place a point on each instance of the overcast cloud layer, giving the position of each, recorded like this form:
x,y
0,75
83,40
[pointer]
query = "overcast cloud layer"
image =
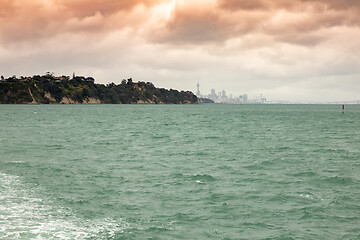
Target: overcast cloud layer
x,y
296,50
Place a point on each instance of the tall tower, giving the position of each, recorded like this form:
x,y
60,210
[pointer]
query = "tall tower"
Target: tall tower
x,y
198,89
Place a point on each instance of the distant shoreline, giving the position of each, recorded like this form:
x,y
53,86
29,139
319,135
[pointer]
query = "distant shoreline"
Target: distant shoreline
x,y
48,89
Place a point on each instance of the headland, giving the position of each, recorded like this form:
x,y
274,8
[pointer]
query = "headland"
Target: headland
x,y
49,89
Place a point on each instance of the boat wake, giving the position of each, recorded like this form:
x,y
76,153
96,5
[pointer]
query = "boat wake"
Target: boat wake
x,y
27,213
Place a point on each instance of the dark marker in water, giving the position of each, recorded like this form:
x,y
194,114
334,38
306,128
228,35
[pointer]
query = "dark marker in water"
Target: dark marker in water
x,y
343,109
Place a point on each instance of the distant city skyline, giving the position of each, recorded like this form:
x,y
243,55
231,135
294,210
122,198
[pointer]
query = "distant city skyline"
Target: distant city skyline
x,y
223,97
295,50
236,98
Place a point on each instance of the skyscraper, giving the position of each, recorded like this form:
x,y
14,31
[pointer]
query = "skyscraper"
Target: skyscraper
x,y
245,97
213,95
198,89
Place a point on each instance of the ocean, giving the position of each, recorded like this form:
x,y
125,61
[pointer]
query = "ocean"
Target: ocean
x,y
179,172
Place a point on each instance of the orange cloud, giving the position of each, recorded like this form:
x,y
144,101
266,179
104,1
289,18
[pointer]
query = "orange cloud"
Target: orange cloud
x,y
25,20
83,8
235,5
195,22
292,21
193,26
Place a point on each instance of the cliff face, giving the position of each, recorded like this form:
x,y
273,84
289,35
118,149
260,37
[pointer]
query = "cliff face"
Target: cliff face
x,y
80,90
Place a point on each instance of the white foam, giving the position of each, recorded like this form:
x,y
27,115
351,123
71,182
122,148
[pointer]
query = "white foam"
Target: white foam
x,y
311,197
308,196
26,213
17,162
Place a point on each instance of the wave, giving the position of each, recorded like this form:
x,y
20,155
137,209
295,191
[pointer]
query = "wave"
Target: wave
x,y
198,178
337,180
27,213
203,177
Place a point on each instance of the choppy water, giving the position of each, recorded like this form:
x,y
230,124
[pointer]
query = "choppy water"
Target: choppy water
x,y
179,172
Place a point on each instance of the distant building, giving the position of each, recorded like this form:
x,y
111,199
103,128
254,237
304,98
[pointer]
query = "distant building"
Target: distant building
x,y
198,94
222,97
213,95
262,99
245,98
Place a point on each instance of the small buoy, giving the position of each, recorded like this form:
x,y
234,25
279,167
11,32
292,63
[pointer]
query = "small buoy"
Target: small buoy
x,y
343,109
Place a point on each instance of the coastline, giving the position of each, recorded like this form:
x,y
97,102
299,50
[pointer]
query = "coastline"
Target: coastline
x,y
49,89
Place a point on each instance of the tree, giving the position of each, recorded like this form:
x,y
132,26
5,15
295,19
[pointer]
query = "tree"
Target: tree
x,y
49,74
66,78
90,79
13,90
110,85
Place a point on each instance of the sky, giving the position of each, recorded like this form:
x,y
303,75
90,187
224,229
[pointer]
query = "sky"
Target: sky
x,y
290,50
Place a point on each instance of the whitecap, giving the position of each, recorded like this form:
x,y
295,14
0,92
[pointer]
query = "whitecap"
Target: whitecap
x,y
308,196
19,162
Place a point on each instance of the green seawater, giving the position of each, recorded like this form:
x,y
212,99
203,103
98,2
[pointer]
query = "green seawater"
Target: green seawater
x,y
179,172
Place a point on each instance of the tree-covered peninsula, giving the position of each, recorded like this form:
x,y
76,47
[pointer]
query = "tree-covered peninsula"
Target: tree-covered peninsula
x,y
48,89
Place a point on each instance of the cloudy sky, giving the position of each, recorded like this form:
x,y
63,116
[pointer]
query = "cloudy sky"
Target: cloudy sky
x,y
295,50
